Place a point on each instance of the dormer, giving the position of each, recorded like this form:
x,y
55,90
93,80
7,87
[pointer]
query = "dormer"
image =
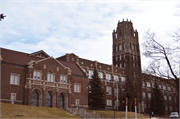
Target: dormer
x,y
40,53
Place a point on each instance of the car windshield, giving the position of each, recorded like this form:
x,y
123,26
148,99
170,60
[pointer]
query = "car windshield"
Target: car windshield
x,y
174,113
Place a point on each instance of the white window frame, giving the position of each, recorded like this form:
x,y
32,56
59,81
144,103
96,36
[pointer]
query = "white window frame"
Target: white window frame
x,y
148,84
109,90
14,79
77,88
109,103
90,73
165,97
123,79
37,75
149,96
13,100
63,79
120,47
50,77
101,75
144,95
108,77
116,78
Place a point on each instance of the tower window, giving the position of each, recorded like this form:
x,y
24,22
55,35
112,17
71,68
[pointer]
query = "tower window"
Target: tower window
x,y
120,48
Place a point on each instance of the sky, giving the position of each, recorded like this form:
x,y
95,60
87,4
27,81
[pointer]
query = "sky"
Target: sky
x,y
81,27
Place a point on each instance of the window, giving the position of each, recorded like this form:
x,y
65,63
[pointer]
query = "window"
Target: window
x,y
175,99
50,77
120,57
124,45
124,64
153,85
124,56
169,88
134,74
144,95
90,73
170,107
116,58
144,106
133,57
13,98
77,88
170,99
159,86
120,65
14,79
132,47
77,102
37,75
108,90
149,96
108,77
165,97
143,83
133,65
148,84
115,91
164,87
116,78
116,48
101,75
166,108
116,35
134,34
63,79
109,103
123,79
120,48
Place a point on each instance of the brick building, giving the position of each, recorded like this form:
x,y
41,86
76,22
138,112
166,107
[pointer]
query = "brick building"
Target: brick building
x,y
37,79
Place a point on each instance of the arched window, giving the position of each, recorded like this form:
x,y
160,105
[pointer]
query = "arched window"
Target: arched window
x,y
34,98
48,100
61,101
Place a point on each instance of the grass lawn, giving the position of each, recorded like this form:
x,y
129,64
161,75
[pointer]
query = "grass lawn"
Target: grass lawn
x,y
12,110
120,114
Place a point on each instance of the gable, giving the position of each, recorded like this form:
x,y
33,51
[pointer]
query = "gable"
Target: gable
x,y
40,53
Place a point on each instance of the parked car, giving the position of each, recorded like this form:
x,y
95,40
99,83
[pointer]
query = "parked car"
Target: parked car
x,y
174,115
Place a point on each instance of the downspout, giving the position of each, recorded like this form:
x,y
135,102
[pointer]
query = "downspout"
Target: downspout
x,y
24,81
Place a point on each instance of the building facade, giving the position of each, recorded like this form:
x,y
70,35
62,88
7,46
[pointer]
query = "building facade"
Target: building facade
x,y
37,79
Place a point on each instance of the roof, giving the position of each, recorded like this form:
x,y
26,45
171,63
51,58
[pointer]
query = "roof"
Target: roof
x,y
74,68
16,57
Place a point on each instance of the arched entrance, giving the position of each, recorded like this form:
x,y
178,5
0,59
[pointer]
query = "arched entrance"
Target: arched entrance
x,y
61,101
48,100
34,98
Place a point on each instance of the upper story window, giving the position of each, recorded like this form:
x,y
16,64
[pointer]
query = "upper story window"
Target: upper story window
x,y
133,57
116,78
120,47
108,77
149,96
123,79
165,97
37,75
120,65
50,77
164,87
90,73
170,98
116,48
153,85
169,88
63,79
120,57
77,88
132,47
148,84
124,45
143,83
109,90
159,86
144,95
134,34
116,58
14,79
101,75
124,64
115,91
116,35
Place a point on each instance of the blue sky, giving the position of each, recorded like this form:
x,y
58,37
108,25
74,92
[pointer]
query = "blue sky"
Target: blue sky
x,y
81,27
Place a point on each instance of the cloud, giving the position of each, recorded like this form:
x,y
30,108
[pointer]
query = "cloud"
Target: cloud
x,y
83,27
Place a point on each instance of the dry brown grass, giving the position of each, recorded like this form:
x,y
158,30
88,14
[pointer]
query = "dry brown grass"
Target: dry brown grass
x,y
12,110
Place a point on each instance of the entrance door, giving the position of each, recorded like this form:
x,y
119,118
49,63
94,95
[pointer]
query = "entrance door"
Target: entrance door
x,y
48,100
61,101
34,98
